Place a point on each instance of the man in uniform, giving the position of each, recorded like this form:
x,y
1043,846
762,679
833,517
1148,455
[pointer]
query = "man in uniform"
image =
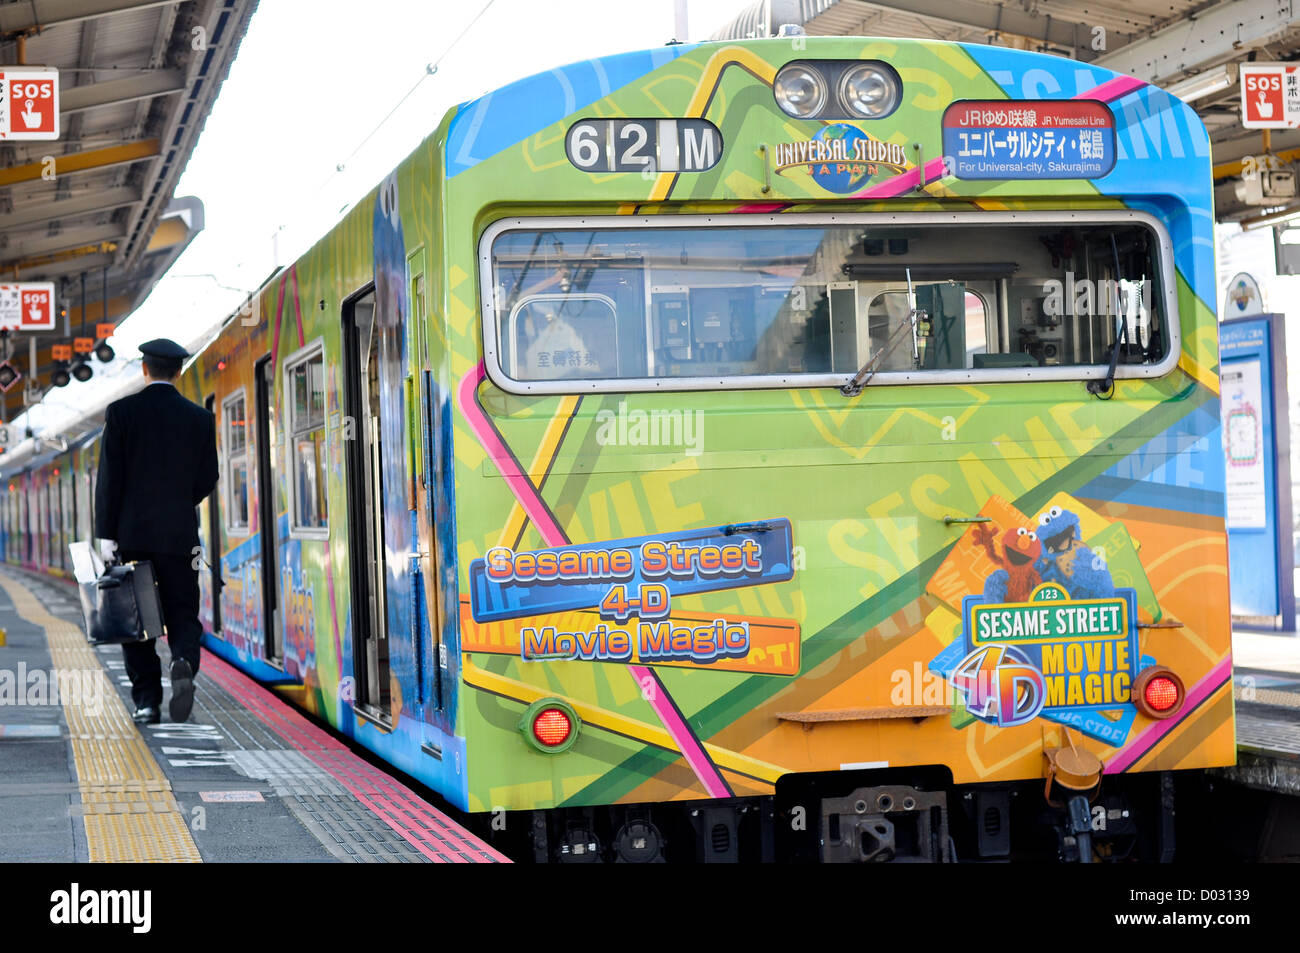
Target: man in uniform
x,y
157,462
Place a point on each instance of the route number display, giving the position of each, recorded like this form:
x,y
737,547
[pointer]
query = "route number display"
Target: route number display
x,y
644,145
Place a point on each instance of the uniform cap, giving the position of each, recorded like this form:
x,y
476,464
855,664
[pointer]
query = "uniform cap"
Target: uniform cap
x,y
163,348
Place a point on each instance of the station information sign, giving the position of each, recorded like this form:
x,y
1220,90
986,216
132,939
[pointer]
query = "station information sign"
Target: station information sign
x,y
28,306
1270,96
29,103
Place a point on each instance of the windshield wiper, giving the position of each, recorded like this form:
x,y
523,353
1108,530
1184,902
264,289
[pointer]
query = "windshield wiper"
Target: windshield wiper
x,y
868,370
1106,385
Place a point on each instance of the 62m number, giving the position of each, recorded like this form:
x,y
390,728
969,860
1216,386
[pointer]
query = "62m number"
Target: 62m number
x,y
643,145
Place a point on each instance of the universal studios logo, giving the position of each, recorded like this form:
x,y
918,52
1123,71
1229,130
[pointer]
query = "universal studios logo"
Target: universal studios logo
x,y
840,158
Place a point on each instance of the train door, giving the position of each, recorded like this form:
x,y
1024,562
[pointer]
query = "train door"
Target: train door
x,y
365,486
92,482
55,519
214,539
42,559
429,648
264,391
29,506
65,516
70,488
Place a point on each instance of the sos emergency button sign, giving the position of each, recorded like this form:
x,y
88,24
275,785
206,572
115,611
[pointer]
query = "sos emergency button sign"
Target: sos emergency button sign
x,y
1270,96
29,103
28,306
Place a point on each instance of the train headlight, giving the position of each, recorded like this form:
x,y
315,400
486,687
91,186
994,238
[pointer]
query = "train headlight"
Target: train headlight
x,y
1158,692
868,91
800,91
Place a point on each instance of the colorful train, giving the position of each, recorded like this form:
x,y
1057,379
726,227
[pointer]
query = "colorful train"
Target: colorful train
x,y
802,448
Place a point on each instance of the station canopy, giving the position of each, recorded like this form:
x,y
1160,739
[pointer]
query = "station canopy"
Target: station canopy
x,y
137,79
1192,48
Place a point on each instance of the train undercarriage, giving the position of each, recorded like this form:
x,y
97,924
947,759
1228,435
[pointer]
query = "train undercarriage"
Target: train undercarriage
x,y
912,815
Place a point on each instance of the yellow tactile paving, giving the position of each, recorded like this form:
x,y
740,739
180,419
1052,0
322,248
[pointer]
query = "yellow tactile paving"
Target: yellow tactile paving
x,y
126,800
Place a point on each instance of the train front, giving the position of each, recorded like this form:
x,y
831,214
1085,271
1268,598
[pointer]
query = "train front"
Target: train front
x,y
837,457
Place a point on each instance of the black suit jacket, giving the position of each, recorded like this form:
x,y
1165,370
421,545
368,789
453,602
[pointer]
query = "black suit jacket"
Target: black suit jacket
x,y
157,462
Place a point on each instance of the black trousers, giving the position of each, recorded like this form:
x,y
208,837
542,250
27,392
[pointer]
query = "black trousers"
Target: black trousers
x,y
178,590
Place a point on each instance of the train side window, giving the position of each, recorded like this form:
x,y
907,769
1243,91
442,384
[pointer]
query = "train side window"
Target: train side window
x,y
234,415
305,380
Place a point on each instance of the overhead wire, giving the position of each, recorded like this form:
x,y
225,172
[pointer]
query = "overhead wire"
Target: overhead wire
x,y
429,70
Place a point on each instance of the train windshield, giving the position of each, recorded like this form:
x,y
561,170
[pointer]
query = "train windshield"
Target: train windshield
x,y
727,304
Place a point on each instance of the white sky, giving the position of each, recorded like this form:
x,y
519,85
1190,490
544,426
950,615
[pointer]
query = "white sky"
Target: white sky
x,y
309,84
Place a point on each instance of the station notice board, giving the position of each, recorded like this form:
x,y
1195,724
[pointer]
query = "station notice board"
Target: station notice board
x,y
1257,448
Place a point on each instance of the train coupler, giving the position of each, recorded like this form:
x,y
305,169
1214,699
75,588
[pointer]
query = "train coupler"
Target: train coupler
x,y
893,822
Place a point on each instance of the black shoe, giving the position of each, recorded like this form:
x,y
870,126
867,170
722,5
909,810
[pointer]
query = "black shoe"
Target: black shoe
x,y
148,715
182,690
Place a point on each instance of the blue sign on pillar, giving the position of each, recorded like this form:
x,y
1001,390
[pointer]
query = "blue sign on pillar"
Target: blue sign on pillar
x,y
1257,449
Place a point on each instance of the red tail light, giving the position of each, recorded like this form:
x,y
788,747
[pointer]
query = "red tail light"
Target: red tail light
x,y
1161,693
552,727
1158,692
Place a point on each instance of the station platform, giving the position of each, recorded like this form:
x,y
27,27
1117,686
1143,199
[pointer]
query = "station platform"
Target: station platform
x,y
247,778
1266,689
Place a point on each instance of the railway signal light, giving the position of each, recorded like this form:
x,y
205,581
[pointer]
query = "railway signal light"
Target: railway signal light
x,y
60,377
550,725
104,352
1158,692
83,371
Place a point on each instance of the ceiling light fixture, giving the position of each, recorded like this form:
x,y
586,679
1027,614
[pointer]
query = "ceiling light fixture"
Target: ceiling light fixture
x,y
1205,83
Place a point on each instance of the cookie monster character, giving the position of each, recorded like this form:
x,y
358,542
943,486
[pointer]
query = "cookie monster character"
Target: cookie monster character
x,y
1017,578
1068,561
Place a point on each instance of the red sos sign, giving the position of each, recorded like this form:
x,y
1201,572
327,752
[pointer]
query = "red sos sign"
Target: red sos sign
x,y
38,308
30,108
1263,97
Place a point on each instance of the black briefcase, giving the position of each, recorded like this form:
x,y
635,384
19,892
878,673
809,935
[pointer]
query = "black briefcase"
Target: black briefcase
x,y
122,605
